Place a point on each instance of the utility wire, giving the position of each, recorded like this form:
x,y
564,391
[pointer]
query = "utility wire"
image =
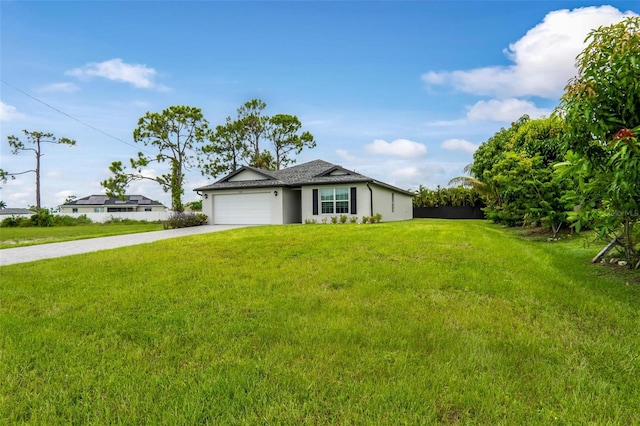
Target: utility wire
x,y
71,117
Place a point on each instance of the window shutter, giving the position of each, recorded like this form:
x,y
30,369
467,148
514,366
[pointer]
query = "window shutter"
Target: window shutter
x,y
354,201
315,201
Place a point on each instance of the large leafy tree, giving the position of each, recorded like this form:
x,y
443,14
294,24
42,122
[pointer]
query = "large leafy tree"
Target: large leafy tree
x,y
175,133
601,108
34,143
515,171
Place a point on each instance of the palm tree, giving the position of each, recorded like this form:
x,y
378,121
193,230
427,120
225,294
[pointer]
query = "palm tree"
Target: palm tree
x,y
3,205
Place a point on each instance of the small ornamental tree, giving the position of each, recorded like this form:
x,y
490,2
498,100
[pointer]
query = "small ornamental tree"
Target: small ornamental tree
x,y
601,108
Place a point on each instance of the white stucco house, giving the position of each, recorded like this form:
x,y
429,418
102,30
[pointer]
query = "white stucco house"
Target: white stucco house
x,y
313,190
105,204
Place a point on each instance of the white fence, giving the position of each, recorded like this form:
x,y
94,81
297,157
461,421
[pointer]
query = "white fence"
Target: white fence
x,y
105,217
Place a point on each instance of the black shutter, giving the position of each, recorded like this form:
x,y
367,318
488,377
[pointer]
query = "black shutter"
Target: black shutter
x,y
315,202
354,201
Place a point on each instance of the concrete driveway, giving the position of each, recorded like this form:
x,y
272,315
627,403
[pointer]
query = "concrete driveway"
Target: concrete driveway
x,y
11,256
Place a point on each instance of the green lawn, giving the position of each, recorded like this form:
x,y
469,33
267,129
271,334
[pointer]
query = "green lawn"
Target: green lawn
x,y
18,237
418,322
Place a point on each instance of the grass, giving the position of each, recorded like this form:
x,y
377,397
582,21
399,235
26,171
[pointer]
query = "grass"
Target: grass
x,y
18,237
420,322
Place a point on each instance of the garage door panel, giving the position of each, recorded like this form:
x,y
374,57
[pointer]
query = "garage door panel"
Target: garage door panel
x,y
242,209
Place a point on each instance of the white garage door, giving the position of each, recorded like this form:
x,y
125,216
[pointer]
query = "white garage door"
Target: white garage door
x,y
242,209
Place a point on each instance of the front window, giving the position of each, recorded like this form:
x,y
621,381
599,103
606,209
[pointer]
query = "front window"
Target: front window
x,y
334,201
74,210
98,210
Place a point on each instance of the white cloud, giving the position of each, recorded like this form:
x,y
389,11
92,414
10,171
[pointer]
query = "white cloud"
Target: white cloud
x,y
60,87
543,59
407,173
507,110
344,154
9,113
459,145
399,147
115,69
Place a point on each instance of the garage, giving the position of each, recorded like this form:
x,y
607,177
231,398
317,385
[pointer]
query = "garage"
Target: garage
x,y
242,209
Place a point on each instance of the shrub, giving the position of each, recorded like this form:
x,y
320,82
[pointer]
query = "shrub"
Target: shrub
x,y
43,218
64,220
184,220
334,219
377,218
365,219
12,222
353,219
311,221
343,218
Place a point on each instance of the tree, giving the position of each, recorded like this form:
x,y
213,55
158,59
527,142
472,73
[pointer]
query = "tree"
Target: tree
x,y
241,141
37,139
283,133
226,151
601,109
514,170
253,125
3,205
176,133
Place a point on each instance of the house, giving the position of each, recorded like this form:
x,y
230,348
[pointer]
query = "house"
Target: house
x,y
15,212
313,190
105,204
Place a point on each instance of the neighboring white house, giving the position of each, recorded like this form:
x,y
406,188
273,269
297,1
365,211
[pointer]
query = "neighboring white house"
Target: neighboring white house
x,y
6,212
312,190
105,204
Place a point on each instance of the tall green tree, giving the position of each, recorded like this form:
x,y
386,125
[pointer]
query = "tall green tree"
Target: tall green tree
x,y
601,108
253,126
255,139
35,142
284,132
226,150
176,134
515,168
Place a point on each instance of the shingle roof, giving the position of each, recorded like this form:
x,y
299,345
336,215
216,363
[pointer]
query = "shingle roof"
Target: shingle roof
x,y
12,211
103,200
315,172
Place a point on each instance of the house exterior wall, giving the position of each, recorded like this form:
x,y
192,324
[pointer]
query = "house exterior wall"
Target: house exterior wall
x,y
382,202
392,205
291,206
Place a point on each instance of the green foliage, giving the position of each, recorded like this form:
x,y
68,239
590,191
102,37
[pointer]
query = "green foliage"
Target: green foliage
x,y
184,220
195,205
12,221
601,107
42,218
176,134
241,141
455,196
64,220
516,168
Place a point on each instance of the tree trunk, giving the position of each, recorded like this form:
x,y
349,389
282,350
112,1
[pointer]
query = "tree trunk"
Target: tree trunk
x,y
38,174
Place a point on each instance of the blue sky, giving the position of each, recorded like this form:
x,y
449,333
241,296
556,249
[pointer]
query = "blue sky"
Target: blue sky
x,y
403,92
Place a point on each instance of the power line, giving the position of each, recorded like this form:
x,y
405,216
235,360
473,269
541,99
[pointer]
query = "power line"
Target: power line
x,y
71,117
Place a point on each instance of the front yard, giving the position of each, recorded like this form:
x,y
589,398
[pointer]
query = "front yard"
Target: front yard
x,y
426,321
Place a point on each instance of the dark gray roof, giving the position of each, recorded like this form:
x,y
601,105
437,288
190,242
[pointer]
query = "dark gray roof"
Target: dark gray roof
x,y
315,172
12,211
103,200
